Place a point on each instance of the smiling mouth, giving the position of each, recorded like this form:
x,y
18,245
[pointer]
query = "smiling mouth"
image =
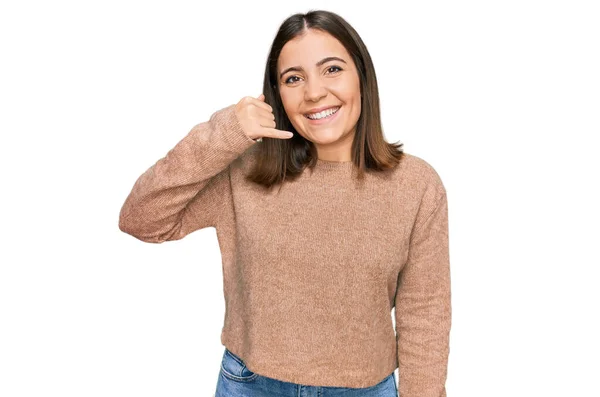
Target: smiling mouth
x,y
337,108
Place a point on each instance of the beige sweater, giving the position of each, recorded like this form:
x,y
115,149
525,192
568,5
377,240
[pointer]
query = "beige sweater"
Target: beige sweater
x,y
311,272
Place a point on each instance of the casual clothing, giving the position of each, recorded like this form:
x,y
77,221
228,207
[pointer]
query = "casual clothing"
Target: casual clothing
x,y
236,380
313,268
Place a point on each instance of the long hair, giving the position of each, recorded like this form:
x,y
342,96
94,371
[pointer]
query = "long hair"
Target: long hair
x,y
278,159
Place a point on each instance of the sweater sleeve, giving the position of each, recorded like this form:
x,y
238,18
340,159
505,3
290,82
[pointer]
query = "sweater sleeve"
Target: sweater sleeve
x,y
423,307
185,190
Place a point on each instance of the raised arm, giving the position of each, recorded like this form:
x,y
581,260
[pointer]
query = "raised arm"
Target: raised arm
x,y
423,306
184,191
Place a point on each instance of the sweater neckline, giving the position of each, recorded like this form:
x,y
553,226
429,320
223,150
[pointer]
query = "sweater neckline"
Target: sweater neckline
x,y
335,165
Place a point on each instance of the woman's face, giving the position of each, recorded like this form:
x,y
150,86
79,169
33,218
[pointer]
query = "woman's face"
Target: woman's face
x,y
312,84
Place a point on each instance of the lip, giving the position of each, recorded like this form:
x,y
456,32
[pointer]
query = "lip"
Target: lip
x,y
325,120
317,110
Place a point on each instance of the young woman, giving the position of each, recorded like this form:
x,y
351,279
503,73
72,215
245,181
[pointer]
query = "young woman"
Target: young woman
x,y
322,231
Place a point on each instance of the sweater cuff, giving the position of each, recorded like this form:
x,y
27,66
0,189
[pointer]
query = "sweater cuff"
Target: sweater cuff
x,y
232,130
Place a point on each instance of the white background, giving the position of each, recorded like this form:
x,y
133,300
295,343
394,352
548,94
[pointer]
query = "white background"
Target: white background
x,y
501,98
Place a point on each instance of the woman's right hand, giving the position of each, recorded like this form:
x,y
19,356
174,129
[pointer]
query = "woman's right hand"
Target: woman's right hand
x,y
257,119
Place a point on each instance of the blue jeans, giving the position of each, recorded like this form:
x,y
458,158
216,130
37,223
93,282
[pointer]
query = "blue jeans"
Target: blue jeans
x,y
235,380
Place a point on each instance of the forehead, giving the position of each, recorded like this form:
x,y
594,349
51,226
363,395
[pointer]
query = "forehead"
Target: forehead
x,y
308,49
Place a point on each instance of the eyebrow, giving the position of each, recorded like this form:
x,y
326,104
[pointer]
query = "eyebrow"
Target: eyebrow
x,y
321,62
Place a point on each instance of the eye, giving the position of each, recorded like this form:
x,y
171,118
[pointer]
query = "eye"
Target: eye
x,y
287,81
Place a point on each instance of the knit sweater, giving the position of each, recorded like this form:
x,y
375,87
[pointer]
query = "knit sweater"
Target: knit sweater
x,y
312,269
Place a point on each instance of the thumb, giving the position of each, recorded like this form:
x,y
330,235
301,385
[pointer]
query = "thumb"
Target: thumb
x,y
261,97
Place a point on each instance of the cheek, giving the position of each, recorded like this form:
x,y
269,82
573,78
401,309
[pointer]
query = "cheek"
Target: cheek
x,y
349,94
284,100
289,101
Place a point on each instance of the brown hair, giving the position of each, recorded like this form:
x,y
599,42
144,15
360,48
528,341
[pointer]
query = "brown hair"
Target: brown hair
x,y
278,159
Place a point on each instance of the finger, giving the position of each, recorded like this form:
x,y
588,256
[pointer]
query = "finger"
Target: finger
x,y
267,121
265,113
275,133
260,103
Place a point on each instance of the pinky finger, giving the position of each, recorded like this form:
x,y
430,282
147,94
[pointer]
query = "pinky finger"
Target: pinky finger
x,y
278,134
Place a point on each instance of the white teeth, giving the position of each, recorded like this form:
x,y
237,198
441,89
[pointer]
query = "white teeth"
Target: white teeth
x,y
324,113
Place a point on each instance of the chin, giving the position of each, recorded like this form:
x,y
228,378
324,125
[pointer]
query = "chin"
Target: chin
x,y
326,138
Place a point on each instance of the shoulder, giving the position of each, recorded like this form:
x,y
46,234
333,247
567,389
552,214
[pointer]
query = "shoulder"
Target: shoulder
x,y
246,160
419,170
420,176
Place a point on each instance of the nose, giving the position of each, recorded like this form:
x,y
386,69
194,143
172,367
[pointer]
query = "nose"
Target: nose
x,y
314,90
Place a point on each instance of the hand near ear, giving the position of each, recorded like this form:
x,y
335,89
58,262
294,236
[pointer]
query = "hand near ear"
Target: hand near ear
x,y
257,119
